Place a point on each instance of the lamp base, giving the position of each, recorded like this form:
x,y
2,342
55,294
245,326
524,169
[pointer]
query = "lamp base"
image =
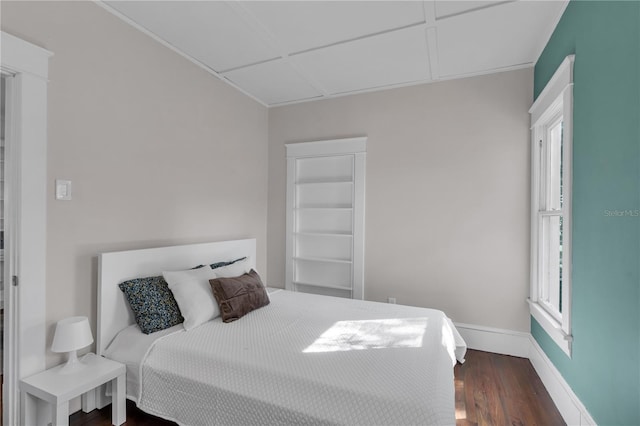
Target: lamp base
x,y
73,365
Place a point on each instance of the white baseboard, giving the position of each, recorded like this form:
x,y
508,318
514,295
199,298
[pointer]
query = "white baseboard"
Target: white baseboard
x,y
496,340
571,408
520,344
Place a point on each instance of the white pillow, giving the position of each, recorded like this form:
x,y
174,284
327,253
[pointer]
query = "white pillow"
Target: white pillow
x,y
193,294
241,267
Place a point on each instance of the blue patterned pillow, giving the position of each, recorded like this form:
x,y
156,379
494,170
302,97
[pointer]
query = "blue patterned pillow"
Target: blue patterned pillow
x,y
221,264
152,303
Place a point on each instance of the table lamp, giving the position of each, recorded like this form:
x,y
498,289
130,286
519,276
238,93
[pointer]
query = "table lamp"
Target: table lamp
x,y
72,334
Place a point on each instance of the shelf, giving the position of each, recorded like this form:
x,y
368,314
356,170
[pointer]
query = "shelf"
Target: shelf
x,y
325,208
322,259
325,182
333,287
325,234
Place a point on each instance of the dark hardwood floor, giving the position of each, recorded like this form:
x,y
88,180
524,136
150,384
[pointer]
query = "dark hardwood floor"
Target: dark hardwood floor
x,y
496,389
491,389
135,417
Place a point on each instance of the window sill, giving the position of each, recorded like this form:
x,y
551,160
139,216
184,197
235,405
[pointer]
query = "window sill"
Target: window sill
x,y
551,326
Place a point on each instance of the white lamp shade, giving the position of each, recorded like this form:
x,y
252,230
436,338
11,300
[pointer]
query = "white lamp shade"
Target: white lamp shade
x,y
72,334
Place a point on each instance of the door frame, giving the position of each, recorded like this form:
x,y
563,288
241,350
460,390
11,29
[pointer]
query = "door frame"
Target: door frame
x,y
26,217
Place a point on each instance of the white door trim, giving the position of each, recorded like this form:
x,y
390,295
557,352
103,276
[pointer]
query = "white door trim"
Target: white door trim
x,y
26,164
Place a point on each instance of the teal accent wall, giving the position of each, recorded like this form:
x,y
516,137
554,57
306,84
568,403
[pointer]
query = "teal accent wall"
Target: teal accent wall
x,y
604,370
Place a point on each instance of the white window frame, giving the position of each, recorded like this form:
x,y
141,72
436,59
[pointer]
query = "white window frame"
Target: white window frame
x,y
556,100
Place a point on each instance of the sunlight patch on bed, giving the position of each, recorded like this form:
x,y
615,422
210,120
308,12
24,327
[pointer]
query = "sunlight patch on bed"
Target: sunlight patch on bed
x,y
371,334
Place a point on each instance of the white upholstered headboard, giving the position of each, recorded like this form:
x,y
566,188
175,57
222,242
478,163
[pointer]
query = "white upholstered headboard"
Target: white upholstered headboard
x,y
114,313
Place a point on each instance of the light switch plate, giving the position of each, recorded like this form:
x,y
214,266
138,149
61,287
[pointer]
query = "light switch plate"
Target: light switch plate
x,y
63,189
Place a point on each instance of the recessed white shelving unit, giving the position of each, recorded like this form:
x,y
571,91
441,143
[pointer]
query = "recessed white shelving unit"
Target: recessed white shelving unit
x,y
325,217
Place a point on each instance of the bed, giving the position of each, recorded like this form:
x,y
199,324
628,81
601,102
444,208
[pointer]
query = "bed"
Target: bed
x,y
302,359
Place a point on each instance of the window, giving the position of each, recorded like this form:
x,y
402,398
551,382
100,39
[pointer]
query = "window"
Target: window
x,y
551,138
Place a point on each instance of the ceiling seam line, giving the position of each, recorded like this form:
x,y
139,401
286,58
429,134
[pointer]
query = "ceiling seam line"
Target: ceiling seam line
x,y
239,67
469,11
430,34
363,37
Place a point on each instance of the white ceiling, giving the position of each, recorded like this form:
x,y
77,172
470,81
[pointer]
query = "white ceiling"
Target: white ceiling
x,y
281,52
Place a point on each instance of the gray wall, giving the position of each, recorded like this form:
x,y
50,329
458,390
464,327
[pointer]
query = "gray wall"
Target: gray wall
x,y
159,151
447,192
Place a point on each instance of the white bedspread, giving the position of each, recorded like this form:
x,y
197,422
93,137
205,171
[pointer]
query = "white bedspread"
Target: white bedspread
x,y
307,359
130,348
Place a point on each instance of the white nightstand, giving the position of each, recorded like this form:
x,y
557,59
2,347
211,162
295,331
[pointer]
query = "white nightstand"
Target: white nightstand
x,y
58,389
